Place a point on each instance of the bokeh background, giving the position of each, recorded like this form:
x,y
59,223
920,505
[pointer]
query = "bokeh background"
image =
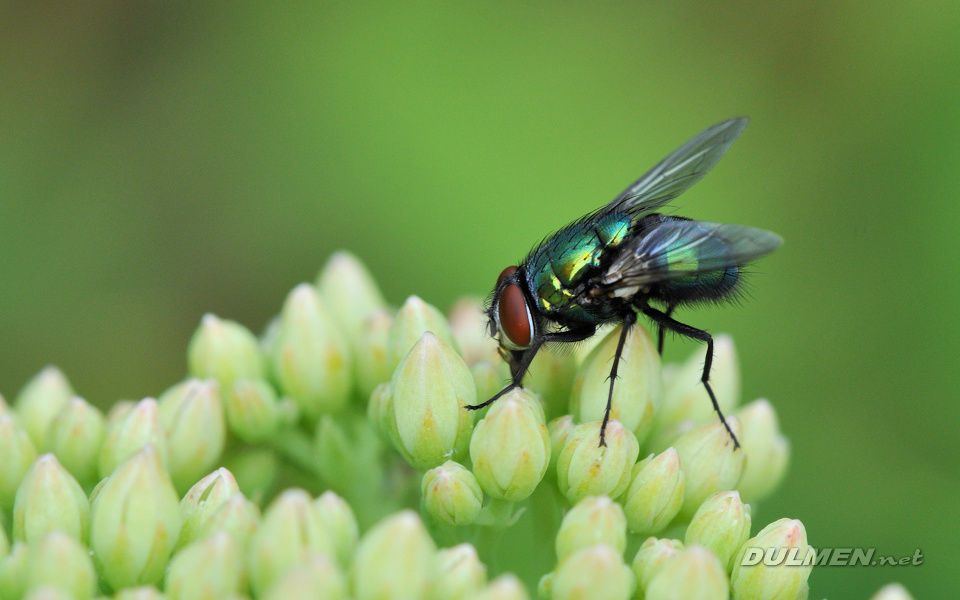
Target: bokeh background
x,y
162,160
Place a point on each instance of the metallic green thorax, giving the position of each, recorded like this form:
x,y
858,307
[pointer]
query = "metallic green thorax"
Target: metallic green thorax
x,y
556,267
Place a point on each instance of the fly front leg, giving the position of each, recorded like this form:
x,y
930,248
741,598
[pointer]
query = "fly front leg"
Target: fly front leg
x,y
521,366
664,321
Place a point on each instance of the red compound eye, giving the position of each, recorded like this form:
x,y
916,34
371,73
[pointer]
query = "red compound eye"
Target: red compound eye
x,y
515,320
505,273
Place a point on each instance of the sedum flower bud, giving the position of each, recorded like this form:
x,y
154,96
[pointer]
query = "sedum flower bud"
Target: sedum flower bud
x,y
594,520
252,410
636,396
224,350
47,592
310,357
585,468
468,325
237,516
371,360
655,493
75,436
40,401
893,591
649,560
13,572
16,455
350,292
559,430
317,578
767,451
4,544
191,415
50,499
721,524
202,500
415,318
394,560
451,494
430,388
138,427
510,448
118,412
785,542
210,568
709,462
145,592
505,587
135,521
290,532
341,524
685,397
593,572
457,573
60,561
694,573
380,412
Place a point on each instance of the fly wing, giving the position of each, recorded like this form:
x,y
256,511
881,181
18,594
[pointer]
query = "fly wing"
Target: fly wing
x,y
679,248
676,173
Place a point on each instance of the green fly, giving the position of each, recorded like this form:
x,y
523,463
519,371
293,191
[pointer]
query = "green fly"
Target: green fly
x,y
625,259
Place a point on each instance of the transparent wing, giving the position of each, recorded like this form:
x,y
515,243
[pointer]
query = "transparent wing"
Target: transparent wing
x,y
676,173
680,248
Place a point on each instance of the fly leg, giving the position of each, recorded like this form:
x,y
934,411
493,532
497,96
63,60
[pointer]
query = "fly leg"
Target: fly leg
x,y
665,322
661,330
628,322
573,335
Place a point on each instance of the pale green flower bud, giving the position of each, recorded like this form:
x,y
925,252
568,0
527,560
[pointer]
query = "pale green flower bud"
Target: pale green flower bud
x,y
255,470
694,573
191,415
50,499
721,524
510,448
372,363
559,430
430,388
594,520
4,544
118,412
290,532
655,493
139,427
686,398
237,516
135,521
593,572
16,455
75,436
767,451
202,500
317,578
350,292
785,541
709,462
380,412
636,395
224,350
252,410
661,439
394,560
13,572
457,574
145,592
47,592
468,325
341,524
60,561
452,494
310,357
210,568
649,560
415,318
505,587
893,591
40,401
585,468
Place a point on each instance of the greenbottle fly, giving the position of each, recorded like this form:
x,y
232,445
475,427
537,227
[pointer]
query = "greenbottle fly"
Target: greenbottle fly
x,y
625,259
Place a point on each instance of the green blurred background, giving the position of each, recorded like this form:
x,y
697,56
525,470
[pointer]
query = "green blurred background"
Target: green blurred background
x,y
161,160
